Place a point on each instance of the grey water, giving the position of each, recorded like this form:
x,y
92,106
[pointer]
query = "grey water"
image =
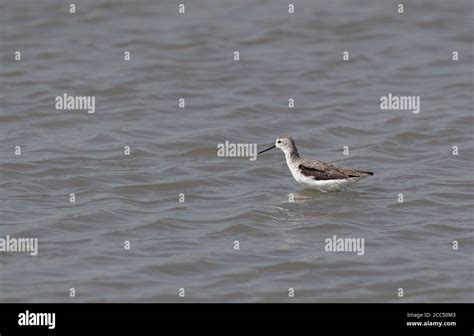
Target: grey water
x,y
423,245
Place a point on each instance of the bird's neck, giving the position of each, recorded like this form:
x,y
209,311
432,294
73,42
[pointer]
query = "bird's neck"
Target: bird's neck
x,y
292,154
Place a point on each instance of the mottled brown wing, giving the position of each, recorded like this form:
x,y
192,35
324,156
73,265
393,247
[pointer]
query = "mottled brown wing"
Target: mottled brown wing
x,y
318,174
321,170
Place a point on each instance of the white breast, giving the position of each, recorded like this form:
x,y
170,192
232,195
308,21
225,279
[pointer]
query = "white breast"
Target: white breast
x,y
321,185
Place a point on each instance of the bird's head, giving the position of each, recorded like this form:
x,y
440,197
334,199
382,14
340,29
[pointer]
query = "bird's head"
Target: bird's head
x,y
285,143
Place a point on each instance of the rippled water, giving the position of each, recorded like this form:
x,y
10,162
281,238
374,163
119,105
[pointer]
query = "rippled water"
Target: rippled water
x,y
191,245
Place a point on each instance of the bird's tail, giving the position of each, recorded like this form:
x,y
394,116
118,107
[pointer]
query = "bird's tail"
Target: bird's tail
x,y
365,172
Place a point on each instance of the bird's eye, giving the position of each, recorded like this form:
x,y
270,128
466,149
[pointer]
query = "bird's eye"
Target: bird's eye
x,y
278,141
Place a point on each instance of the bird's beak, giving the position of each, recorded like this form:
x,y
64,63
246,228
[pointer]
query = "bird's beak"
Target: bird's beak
x,y
266,150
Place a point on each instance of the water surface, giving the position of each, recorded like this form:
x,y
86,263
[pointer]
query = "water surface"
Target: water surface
x,y
191,245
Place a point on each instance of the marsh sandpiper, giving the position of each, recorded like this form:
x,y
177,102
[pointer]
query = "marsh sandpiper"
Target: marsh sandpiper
x,y
315,174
